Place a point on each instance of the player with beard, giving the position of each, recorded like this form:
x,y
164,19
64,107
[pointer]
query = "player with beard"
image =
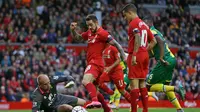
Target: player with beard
x,y
97,39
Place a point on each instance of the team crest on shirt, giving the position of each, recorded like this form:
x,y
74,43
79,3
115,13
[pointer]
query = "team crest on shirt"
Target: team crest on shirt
x,y
92,40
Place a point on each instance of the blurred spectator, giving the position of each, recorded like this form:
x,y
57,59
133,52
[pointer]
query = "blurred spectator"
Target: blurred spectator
x,y
189,95
52,36
197,94
3,96
25,97
22,19
6,61
14,83
11,95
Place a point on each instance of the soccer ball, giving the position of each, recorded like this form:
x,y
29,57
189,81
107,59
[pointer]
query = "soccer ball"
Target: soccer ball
x,y
78,109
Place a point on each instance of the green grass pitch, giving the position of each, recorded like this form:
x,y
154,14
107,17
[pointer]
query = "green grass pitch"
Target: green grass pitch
x,y
125,110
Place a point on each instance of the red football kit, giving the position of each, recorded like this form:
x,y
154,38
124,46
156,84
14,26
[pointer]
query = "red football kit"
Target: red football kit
x,y
140,70
96,44
110,55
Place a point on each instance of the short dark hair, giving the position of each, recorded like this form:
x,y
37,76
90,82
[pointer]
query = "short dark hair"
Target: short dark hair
x,y
91,17
129,7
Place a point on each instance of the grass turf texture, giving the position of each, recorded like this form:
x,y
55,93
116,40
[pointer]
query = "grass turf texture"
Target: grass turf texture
x,y
125,110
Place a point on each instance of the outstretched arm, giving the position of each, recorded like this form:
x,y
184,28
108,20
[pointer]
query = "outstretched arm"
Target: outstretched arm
x,y
57,79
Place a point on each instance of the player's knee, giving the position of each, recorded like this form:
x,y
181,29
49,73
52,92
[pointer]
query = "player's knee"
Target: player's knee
x,y
134,84
85,82
65,108
142,84
87,78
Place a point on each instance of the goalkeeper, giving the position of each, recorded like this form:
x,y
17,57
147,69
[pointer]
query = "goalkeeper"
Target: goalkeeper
x,y
46,98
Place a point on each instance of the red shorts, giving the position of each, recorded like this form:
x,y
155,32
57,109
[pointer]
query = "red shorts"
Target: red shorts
x,y
94,69
140,70
116,76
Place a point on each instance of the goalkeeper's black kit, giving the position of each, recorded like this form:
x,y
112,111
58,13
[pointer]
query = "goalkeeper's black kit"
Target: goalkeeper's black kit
x,y
49,101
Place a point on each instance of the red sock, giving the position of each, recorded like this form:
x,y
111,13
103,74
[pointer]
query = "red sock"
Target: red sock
x,y
104,104
127,96
144,98
92,91
134,99
106,89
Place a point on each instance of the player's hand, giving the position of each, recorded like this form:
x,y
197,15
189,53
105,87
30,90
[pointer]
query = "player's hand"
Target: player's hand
x,y
73,26
164,62
70,84
107,69
133,61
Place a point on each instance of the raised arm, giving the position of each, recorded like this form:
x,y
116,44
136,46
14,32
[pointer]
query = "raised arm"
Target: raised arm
x,y
76,36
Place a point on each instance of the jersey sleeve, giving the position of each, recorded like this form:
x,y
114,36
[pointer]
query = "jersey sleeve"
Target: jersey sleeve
x,y
134,28
37,101
105,36
58,79
84,35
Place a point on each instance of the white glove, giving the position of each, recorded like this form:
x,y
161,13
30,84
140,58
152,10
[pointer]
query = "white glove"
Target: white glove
x,y
70,84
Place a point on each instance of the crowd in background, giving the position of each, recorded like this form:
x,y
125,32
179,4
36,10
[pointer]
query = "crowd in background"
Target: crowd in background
x,y
48,21
39,21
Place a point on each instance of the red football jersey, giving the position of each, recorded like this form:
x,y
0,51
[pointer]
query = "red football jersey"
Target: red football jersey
x,y
96,44
138,26
110,55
